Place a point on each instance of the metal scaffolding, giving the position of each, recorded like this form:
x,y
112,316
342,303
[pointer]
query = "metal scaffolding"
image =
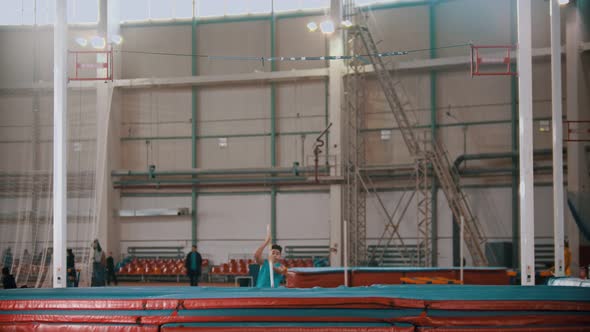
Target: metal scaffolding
x,y
430,158
424,215
355,198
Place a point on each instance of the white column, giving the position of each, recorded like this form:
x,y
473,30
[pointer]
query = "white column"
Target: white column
x,y
577,174
557,131
335,91
525,117
60,139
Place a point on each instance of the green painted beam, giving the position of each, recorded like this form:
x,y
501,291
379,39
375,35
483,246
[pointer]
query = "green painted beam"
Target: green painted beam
x,y
433,131
273,110
221,171
474,186
216,180
326,118
222,193
194,105
188,194
458,124
201,137
273,128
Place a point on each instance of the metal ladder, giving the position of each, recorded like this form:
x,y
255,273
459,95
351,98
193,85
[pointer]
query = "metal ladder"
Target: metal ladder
x,y
445,171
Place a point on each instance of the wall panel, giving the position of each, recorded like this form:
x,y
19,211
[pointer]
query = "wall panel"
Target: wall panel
x,y
140,45
236,39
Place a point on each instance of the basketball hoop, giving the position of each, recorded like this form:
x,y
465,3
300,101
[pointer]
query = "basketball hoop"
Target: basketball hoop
x,y
577,131
497,56
92,65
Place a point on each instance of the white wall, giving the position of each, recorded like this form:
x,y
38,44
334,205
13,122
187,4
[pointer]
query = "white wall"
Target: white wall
x,y
303,219
170,39
229,224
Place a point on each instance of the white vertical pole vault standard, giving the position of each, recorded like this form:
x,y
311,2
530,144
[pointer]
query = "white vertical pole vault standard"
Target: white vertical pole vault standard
x,y
270,261
525,118
60,139
558,207
461,254
345,249
336,71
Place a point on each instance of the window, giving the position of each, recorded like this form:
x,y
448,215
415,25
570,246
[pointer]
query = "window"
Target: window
x,y
161,9
183,8
236,7
11,13
359,3
211,8
260,6
134,10
81,11
17,12
315,4
45,12
286,5
42,12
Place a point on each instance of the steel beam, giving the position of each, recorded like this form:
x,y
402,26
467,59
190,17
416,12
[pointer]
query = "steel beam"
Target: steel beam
x,y
267,77
558,228
525,94
60,144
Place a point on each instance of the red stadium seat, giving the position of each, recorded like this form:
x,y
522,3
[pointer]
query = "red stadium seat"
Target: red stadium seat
x,y
243,270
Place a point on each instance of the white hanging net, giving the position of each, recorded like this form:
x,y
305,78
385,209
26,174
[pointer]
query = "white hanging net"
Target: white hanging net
x,y
26,223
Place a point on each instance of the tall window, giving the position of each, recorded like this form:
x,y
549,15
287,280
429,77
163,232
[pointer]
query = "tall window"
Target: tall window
x,y
135,10
42,12
81,11
138,10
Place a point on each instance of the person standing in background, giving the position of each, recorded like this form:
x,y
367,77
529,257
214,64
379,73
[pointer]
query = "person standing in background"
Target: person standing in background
x,y
7,279
98,265
111,269
7,258
71,266
193,266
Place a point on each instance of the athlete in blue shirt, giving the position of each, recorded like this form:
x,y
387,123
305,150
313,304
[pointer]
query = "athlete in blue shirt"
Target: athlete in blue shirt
x,y
264,272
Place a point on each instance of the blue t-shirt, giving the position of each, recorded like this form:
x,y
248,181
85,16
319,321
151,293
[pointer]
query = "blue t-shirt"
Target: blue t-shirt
x,y
264,275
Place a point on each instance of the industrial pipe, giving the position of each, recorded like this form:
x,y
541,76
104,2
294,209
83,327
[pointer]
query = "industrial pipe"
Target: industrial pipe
x,y
229,171
189,183
497,155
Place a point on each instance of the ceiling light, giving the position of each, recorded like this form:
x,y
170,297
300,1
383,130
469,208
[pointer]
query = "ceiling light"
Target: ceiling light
x,y
97,42
327,26
82,41
563,2
312,26
346,23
